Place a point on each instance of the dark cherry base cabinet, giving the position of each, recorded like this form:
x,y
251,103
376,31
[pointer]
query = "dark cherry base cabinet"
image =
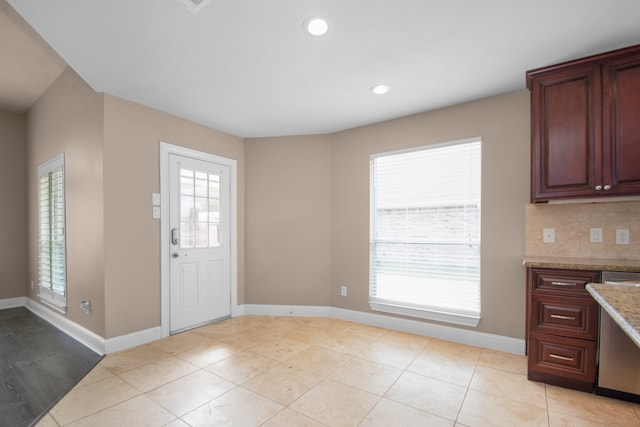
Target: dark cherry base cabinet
x,y
562,327
562,361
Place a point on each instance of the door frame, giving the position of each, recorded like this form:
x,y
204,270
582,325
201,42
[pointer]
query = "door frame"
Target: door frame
x,y
165,245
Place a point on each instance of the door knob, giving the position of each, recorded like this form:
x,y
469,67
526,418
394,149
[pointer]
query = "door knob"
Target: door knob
x,y
175,255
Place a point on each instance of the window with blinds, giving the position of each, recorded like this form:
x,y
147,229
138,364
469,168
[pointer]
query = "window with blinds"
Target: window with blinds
x,y
51,218
425,232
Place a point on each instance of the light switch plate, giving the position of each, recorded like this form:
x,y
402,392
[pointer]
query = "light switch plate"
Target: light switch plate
x,y
549,235
622,237
155,199
595,235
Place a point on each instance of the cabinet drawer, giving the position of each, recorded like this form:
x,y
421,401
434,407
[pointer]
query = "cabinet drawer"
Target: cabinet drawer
x,y
564,357
569,282
564,316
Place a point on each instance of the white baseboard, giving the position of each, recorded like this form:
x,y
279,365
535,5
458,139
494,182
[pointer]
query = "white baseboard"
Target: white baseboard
x,y
287,310
237,310
133,339
449,333
92,340
12,302
464,336
105,346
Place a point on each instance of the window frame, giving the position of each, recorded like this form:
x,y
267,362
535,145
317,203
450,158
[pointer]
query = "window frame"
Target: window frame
x,y
47,294
405,308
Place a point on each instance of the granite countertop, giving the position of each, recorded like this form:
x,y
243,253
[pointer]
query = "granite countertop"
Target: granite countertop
x,y
622,302
596,264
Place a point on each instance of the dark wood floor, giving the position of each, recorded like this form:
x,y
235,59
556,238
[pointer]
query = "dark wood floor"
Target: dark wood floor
x,y
38,365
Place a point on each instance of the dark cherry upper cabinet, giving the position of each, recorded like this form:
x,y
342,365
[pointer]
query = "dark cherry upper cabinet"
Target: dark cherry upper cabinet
x,y
585,127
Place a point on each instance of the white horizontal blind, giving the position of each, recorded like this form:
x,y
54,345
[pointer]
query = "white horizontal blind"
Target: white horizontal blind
x,y
425,228
52,264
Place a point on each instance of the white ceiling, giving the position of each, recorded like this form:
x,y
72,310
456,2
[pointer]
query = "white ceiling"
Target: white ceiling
x,y
246,67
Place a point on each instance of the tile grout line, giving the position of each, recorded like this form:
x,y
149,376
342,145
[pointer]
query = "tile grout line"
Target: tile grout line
x,y
546,401
380,397
466,391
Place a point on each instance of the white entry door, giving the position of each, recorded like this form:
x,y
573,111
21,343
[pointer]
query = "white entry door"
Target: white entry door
x,y
200,262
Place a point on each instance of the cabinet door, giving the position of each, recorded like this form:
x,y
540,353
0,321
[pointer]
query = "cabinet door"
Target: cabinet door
x,y
565,316
566,133
562,358
561,282
621,125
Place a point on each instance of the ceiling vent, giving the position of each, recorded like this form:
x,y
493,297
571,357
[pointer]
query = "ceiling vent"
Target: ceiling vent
x,y
193,6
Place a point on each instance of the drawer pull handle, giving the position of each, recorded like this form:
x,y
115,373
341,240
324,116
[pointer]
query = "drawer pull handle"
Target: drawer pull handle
x,y
560,316
557,356
563,283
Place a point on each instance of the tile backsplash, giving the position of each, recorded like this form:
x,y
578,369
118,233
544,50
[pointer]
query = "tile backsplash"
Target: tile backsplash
x,y
572,223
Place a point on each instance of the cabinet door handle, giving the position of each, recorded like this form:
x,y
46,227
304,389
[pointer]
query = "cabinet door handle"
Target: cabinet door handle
x,y
557,356
563,283
598,187
563,317
607,187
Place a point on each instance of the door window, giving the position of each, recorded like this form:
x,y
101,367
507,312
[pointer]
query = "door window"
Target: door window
x,y
199,209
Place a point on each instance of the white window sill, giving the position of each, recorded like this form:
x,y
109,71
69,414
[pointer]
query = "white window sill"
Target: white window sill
x,y
428,314
53,299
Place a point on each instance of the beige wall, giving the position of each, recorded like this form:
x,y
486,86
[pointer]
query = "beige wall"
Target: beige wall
x,y
307,203
287,214
111,149
300,187
503,124
132,237
68,118
13,223
288,220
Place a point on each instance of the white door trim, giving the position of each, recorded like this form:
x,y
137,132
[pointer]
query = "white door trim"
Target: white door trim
x,y
165,248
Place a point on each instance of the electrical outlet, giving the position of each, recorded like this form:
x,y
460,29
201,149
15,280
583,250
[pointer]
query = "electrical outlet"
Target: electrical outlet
x,y
85,305
549,235
622,237
343,291
595,235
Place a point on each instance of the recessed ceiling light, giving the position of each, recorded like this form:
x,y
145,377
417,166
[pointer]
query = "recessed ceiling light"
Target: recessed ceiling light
x,y
316,26
380,89
193,6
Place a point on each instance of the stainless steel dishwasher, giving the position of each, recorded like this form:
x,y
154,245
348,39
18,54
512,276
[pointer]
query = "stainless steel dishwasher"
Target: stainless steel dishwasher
x,y
619,357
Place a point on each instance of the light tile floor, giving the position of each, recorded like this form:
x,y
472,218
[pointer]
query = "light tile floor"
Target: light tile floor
x,y
293,371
